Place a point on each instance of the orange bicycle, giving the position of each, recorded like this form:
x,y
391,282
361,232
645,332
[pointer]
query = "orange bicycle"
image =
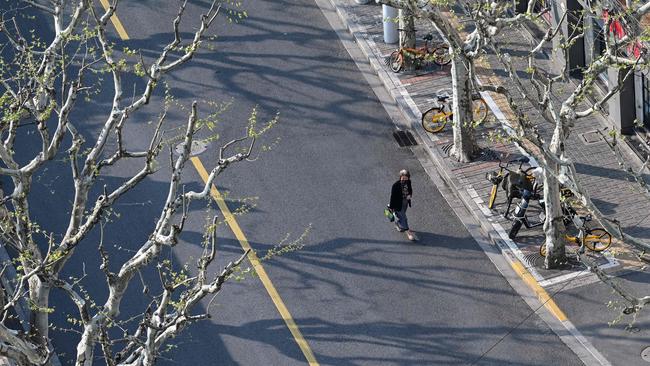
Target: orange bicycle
x,y
438,54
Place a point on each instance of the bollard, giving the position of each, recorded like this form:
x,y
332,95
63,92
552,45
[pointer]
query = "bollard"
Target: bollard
x,y
390,24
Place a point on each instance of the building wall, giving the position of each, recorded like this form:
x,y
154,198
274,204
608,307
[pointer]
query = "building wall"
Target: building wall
x,y
622,109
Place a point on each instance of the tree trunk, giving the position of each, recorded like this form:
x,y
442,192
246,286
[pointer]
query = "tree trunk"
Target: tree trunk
x,y
407,23
464,144
86,345
39,294
31,256
554,225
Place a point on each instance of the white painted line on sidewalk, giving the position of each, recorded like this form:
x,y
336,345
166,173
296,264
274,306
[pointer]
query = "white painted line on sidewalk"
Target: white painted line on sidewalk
x,y
504,236
569,276
515,250
585,343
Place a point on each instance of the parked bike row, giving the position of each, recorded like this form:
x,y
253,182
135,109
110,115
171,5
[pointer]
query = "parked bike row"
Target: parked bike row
x,y
435,118
525,185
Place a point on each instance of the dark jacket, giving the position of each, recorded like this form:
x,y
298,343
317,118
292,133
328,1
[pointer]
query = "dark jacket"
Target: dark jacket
x,y
396,195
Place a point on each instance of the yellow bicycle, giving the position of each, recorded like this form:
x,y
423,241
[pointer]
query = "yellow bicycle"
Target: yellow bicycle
x,y
596,239
506,177
436,118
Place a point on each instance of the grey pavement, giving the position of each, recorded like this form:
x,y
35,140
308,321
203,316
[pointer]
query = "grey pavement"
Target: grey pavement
x,y
594,310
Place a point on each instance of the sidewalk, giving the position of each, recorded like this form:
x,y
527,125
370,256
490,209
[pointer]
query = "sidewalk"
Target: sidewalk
x,y
576,291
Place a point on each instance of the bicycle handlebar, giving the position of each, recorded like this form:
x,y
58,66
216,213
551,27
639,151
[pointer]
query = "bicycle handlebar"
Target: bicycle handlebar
x,y
522,160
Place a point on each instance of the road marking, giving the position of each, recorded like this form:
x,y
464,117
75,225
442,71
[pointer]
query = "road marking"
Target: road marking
x,y
234,226
542,295
268,285
116,22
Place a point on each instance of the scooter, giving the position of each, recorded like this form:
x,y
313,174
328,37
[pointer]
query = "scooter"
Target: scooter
x,y
519,216
514,182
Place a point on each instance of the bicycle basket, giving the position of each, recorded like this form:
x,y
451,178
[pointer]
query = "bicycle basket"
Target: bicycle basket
x,y
515,183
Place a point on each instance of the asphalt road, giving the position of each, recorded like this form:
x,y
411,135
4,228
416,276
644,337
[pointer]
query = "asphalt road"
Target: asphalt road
x,y
360,293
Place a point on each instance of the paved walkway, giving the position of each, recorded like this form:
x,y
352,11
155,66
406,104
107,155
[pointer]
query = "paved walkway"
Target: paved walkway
x,y
615,194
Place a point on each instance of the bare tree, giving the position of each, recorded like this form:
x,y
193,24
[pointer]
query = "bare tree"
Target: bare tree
x,y
41,84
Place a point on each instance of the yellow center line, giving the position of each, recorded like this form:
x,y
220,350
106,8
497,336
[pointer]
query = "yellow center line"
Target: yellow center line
x,y
116,22
542,295
234,226
255,262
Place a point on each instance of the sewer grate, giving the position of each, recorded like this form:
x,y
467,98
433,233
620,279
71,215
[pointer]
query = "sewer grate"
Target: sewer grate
x,y
534,260
404,138
645,354
592,137
447,148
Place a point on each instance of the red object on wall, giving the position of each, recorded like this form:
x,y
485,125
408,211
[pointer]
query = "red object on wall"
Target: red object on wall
x,y
635,49
615,27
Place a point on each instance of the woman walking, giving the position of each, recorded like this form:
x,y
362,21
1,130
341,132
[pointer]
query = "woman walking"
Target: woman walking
x,y
400,200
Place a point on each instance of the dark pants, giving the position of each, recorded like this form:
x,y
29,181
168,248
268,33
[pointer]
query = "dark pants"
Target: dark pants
x,y
402,221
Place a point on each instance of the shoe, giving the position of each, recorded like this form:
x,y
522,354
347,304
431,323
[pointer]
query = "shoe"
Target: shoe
x,y
399,229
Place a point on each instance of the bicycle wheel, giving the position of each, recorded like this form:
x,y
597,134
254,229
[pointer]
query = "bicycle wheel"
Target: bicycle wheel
x,y
396,61
597,239
514,230
479,110
441,55
493,196
435,119
542,250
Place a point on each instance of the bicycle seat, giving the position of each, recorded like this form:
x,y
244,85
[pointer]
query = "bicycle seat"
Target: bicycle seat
x,y
443,97
428,37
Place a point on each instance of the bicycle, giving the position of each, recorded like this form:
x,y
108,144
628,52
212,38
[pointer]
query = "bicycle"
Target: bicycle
x,y
519,216
596,239
506,177
436,118
438,53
